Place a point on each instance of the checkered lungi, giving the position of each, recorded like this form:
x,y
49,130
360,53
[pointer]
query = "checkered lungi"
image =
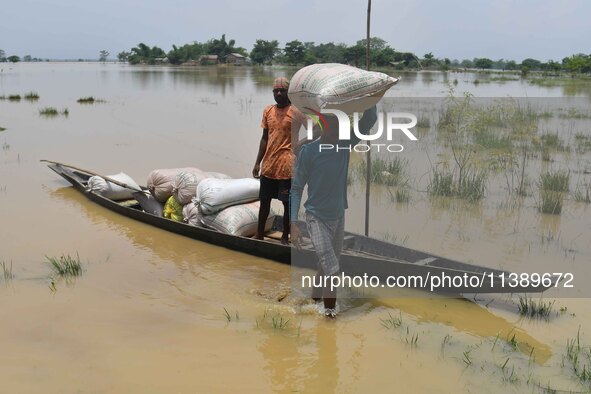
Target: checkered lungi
x,y
327,239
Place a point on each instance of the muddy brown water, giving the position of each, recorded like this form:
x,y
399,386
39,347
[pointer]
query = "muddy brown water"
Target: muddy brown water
x,y
148,313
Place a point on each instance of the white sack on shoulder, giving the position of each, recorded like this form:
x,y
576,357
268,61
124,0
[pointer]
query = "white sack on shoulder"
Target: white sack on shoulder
x,y
110,190
239,220
337,86
213,195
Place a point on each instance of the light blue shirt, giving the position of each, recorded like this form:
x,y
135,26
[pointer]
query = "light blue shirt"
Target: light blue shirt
x,y
325,172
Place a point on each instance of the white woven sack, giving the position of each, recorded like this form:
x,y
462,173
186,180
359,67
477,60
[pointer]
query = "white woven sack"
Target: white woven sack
x,y
191,215
337,86
160,181
110,190
213,195
185,184
239,220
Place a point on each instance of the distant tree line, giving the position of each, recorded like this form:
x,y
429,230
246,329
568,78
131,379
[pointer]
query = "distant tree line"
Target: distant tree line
x,y
303,53
15,59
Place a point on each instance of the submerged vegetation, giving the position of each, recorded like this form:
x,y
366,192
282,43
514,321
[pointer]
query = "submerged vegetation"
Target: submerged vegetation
x,y
89,100
52,111
6,271
578,359
32,96
531,308
553,187
66,266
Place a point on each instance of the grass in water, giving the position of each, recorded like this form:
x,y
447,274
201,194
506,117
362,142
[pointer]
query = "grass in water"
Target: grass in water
x,y
48,111
532,308
279,323
14,97
2,128
582,143
389,172
6,271
555,181
442,183
391,322
229,317
578,358
473,185
552,186
583,193
553,141
32,96
66,266
89,100
490,140
86,100
402,195
411,339
551,202
52,111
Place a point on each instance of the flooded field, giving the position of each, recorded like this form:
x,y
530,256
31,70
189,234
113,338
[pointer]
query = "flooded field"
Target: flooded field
x,y
157,312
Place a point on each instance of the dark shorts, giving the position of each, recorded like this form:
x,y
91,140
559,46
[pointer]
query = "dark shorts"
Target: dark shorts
x,y
275,188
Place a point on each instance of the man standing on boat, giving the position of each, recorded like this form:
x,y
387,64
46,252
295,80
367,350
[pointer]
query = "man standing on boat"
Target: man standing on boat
x,y
325,172
281,124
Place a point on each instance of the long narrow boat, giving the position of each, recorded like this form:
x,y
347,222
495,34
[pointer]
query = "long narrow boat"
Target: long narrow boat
x,y
361,255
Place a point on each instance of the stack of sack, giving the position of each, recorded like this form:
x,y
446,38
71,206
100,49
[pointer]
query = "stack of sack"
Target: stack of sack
x,y
208,199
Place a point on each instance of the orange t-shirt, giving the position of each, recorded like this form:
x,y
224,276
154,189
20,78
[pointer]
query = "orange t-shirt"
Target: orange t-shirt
x,y
281,123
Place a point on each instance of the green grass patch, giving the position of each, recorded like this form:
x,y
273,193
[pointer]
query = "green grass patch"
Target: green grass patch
x,y
49,111
551,202
491,140
402,195
66,266
391,321
14,97
535,309
2,128
578,358
89,100
573,113
279,322
557,181
471,186
583,193
52,111
32,96
86,100
6,271
582,143
389,172
442,183
552,141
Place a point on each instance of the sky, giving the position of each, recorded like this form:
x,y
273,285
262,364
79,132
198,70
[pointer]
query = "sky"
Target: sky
x,y
456,29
